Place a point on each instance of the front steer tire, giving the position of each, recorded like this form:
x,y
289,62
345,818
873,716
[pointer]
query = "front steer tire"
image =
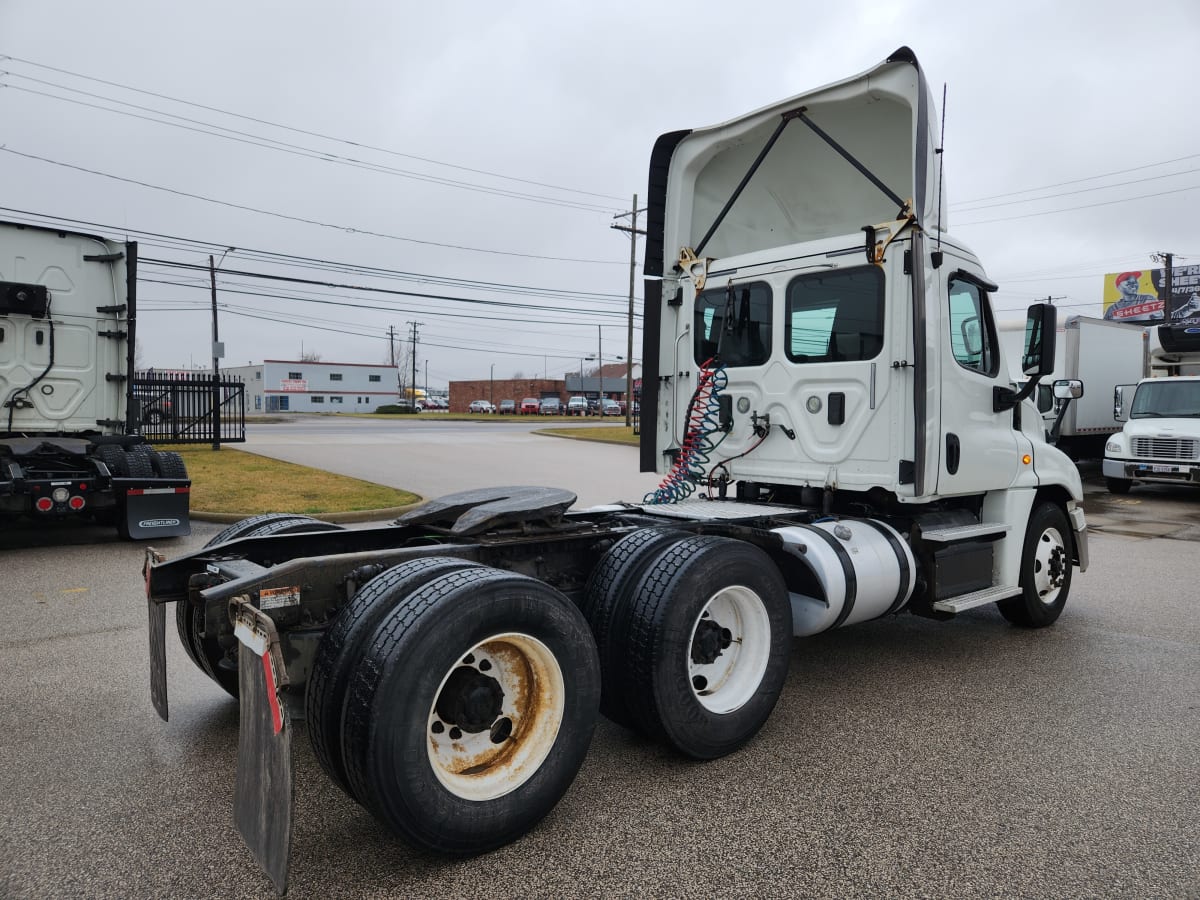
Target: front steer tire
x,y
1046,565
472,710
1118,485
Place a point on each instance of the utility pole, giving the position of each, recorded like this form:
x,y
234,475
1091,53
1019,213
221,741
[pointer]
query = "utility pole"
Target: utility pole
x,y
1169,300
413,338
633,233
392,344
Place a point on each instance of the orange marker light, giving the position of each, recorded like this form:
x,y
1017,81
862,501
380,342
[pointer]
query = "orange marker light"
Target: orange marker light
x,y
1027,459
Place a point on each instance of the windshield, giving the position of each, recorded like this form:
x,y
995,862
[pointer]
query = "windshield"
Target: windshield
x,y
1166,399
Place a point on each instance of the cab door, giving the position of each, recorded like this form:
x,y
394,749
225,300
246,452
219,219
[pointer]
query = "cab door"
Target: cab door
x,y
979,447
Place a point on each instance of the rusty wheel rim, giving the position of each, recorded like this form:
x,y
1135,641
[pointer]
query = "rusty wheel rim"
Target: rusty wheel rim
x,y
496,716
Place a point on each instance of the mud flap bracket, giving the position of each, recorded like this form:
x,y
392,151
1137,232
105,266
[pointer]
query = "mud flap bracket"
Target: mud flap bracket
x,y
262,800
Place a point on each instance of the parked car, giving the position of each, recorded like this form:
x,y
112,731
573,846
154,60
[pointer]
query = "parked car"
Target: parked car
x,y
593,406
577,406
481,406
610,408
530,406
155,404
507,407
551,406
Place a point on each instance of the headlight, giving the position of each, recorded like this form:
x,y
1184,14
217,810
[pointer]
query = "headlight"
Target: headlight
x,y
1112,447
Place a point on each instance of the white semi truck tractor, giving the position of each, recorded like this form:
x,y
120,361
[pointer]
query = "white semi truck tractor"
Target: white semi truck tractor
x,y
825,396
70,445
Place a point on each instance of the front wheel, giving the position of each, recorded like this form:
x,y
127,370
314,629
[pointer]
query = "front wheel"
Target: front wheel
x,y
1045,570
471,710
1118,485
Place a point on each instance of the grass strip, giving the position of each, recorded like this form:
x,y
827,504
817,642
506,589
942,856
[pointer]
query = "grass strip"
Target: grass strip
x,y
237,481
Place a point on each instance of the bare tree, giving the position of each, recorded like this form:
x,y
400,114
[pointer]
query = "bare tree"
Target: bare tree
x,y
309,356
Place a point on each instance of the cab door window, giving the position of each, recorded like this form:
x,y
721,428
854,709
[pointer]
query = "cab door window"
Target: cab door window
x,y
972,332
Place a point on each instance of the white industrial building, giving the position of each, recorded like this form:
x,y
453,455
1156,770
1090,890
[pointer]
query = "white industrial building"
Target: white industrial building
x,y
280,385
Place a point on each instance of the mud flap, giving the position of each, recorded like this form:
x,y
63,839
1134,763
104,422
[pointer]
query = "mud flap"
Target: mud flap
x,y
158,639
262,800
155,509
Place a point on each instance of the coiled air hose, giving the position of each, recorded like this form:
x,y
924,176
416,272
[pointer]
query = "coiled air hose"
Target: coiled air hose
x,y
702,424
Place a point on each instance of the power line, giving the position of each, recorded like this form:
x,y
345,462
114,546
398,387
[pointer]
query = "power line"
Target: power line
x,y
295,130
1048,212
202,246
1100,187
266,212
388,309
1047,187
354,287
303,152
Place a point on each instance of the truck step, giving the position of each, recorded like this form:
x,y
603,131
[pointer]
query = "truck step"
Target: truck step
x,y
964,602
953,533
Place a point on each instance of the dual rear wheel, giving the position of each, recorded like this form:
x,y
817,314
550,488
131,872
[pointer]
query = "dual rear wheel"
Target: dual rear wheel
x,y
455,701
694,635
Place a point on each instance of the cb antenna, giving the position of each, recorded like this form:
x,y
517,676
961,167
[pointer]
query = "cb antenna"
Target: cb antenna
x,y
941,166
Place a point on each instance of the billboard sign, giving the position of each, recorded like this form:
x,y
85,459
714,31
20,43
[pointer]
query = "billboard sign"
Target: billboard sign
x,y
1138,296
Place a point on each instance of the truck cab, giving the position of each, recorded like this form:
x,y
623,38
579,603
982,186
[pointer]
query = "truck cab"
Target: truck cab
x,y
815,335
1160,440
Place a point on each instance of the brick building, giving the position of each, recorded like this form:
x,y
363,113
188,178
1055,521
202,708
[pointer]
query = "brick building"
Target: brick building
x,y
516,389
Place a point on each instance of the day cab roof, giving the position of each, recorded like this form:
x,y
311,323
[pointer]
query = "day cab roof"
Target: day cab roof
x,y
806,188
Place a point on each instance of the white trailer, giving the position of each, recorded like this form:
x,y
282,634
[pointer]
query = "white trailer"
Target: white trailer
x,y
826,397
1100,354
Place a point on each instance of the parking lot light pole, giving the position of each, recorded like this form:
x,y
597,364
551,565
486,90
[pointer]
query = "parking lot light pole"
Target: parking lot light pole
x,y
492,386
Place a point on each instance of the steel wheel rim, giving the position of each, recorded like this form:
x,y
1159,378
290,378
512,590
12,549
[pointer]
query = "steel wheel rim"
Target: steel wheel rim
x,y
489,763
1050,566
731,680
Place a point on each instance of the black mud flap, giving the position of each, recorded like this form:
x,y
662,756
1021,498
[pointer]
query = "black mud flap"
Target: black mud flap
x,y
262,801
155,509
158,639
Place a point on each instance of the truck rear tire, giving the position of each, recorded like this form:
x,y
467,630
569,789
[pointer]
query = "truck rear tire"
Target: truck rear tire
x,y
607,597
1045,570
168,464
207,651
1118,485
472,710
707,645
341,649
139,463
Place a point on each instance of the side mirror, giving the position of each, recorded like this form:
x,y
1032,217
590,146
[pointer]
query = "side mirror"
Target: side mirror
x,y
1038,358
1122,393
971,336
1068,389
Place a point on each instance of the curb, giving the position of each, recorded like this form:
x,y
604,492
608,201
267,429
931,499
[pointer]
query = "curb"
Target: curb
x,y
338,518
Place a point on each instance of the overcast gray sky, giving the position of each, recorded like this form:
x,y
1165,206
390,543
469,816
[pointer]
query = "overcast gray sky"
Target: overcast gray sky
x,y
484,150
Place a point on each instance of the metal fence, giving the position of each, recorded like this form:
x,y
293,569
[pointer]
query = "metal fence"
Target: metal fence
x,y
189,408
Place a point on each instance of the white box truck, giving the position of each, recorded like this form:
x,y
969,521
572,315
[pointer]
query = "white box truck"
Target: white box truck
x,y
826,397
1100,354
1159,442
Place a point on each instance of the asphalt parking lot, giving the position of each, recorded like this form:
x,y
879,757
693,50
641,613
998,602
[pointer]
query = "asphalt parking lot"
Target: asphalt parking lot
x,y
906,758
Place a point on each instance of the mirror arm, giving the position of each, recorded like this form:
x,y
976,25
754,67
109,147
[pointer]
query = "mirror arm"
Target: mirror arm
x,y
1006,398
